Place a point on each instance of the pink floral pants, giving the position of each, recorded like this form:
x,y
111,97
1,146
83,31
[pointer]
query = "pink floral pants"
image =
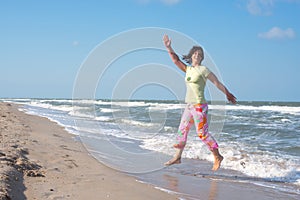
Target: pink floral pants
x,y
195,114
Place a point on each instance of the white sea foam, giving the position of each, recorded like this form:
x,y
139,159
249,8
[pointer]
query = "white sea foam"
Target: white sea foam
x,y
16,101
81,114
108,110
41,105
129,103
56,100
168,128
139,123
286,120
282,109
85,112
103,118
47,105
259,164
159,143
165,106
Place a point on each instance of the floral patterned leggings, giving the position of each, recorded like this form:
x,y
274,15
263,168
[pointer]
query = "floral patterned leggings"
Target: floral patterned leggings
x,y
195,114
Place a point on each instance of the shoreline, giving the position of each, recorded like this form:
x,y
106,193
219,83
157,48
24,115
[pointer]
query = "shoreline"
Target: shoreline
x,y
41,160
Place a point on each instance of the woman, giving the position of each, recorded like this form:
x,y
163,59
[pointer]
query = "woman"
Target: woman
x,y
196,108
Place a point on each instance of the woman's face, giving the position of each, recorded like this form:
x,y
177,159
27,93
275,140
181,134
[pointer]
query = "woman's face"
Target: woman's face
x,y
196,57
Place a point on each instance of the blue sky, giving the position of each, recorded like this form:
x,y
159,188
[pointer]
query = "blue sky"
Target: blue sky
x,y
254,43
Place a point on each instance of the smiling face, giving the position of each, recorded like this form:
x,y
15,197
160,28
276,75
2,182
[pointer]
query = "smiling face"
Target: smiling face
x,y
197,57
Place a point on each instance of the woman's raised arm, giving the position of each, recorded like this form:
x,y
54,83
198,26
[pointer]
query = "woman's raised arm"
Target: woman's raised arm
x,y
173,55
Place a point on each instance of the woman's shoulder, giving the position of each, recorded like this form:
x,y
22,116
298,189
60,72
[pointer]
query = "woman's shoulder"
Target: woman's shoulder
x,y
203,67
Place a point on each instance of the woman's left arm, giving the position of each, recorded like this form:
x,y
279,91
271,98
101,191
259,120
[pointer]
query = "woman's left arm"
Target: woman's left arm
x,y
230,97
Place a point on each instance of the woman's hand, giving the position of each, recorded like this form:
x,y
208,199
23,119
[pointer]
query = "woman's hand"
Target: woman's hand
x,y
231,98
167,41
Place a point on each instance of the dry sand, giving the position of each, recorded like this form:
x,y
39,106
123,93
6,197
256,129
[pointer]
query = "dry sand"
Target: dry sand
x,y
40,160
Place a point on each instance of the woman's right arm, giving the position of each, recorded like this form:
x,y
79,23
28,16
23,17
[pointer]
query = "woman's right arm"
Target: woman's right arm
x,y
173,55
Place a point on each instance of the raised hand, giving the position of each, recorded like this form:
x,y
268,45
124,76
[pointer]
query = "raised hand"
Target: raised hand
x,y
167,41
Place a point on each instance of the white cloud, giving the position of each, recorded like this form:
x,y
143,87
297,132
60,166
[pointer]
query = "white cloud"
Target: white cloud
x,y
265,7
260,7
278,33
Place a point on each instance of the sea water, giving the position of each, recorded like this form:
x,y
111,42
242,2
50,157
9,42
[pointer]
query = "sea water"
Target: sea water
x,y
259,140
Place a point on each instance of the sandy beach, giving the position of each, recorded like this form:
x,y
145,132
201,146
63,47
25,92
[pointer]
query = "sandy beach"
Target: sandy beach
x,y
40,160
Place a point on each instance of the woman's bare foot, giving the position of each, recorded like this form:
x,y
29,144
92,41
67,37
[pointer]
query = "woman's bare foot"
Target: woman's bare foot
x,y
218,159
217,163
173,161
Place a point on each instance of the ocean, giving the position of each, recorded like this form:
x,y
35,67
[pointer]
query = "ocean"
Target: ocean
x,y
260,141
